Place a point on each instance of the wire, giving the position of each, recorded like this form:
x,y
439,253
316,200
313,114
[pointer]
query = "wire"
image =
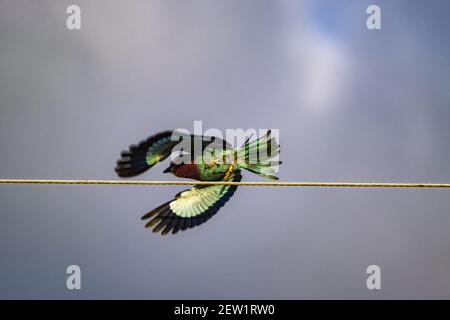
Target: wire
x,y
242,183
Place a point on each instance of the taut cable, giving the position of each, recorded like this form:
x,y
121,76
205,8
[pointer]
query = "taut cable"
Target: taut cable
x,y
231,183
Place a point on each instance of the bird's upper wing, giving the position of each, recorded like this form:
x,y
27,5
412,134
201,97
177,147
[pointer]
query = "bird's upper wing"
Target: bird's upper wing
x,y
191,207
142,156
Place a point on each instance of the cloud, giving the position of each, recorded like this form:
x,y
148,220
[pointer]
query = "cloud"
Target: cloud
x,y
321,66
320,63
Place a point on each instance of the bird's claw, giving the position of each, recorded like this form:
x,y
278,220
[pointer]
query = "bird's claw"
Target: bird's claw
x,y
211,164
228,173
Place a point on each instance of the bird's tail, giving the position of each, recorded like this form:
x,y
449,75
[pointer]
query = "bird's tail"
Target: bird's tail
x,y
260,156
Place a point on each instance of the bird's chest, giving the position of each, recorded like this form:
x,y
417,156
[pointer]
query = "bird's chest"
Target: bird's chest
x,y
188,170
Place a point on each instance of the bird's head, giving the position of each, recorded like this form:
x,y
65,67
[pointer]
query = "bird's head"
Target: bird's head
x,y
171,168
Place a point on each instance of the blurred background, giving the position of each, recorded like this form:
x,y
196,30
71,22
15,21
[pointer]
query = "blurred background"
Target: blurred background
x,y
351,104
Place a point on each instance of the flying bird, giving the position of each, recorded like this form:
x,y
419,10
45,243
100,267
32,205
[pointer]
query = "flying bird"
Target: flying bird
x,y
202,158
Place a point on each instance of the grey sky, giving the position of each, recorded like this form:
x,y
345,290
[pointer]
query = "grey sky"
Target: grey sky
x,y
351,105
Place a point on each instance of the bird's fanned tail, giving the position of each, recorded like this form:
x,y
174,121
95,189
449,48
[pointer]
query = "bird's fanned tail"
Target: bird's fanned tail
x,y
260,156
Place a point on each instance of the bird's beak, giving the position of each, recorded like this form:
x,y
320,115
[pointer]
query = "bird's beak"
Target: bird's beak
x,y
169,169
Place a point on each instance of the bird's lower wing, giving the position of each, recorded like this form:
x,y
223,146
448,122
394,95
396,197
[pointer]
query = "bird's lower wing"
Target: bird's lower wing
x,y
190,208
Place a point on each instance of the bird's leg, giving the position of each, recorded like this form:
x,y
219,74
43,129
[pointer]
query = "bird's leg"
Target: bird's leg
x,y
211,164
229,172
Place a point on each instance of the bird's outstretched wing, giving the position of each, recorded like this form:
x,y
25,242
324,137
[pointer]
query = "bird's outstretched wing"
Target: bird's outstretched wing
x,y
191,207
142,156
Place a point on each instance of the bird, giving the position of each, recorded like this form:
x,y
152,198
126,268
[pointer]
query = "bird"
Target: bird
x,y
202,158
